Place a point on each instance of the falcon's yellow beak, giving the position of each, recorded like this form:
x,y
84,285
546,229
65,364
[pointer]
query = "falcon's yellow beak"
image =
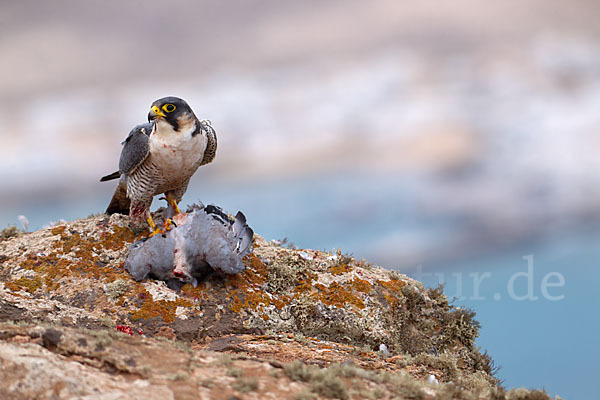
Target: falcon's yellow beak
x,y
155,112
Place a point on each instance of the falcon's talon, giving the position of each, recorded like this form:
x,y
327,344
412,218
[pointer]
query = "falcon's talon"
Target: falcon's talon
x,y
155,231
168,225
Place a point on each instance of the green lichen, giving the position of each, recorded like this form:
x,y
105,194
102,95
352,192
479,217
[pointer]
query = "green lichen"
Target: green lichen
x,y
116,289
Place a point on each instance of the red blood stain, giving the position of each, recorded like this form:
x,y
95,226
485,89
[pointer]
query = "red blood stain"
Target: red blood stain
x,y
128,330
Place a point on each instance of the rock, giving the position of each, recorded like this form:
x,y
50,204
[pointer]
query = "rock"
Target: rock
x,y
64,291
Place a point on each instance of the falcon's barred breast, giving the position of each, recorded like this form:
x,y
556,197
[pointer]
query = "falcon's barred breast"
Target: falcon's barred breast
x,y
160,157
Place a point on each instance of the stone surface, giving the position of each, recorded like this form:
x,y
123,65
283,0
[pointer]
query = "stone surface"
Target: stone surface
x,y
297,323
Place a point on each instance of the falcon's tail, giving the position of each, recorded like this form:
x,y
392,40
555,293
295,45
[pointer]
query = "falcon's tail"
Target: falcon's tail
x,y
109,177
119,204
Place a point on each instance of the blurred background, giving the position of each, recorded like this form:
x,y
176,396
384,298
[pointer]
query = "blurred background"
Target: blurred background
x,y
448,138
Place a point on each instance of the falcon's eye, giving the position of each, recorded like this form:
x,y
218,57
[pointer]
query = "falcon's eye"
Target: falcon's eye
x,y
169,108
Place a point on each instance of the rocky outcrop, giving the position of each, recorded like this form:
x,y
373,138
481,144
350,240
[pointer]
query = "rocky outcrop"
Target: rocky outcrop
x,y
295,324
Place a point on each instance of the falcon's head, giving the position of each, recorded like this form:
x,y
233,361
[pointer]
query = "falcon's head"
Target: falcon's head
x,y
174,111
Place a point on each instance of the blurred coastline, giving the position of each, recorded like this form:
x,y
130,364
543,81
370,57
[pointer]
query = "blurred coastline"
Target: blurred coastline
x,y
440,134
487,130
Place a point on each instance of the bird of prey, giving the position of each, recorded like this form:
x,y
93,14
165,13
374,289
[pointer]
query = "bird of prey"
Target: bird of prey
x,y
205,239
160,157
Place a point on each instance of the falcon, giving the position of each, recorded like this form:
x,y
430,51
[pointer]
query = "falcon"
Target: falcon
x,y
160,157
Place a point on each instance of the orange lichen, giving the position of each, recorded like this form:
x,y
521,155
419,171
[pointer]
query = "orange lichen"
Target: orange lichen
x,y
76,253
248,300
58,230
257,270
85,247
254,275
392,301
245,289
361,285
280,303
394,285
340,269
304,281
254,299
49,268
12,286
392,291
198,292
336,295
23,283
116,239
164,309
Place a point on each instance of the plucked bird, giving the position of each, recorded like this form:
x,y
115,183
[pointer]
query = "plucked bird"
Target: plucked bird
x,y
160,157
205,239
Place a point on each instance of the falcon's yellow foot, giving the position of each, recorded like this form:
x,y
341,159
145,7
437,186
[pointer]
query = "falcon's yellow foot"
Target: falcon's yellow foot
x,y
153,228
169,224
175,207
173,204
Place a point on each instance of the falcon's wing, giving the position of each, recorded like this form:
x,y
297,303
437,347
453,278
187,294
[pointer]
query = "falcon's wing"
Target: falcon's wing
x,y
135,148
211,145
109,177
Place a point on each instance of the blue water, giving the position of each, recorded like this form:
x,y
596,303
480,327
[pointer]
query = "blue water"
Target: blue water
x,y
324,211
548,342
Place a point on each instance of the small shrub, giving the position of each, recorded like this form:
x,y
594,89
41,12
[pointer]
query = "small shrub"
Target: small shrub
x,y
297,371
244,385
224,360
305,395
10,232
235,372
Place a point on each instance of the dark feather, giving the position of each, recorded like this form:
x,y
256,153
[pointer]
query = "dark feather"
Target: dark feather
x,y
110,177
211,145
134,152
135,148
119,204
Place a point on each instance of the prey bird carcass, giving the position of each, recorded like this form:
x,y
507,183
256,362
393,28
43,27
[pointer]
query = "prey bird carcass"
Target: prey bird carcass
x,y
205,239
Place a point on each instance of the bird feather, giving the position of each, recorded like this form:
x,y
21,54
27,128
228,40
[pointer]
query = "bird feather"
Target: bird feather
x,y
203,241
